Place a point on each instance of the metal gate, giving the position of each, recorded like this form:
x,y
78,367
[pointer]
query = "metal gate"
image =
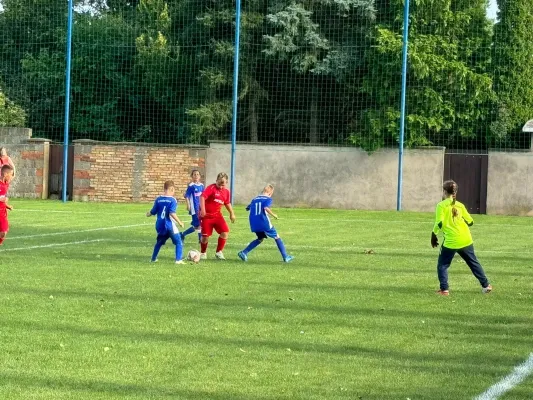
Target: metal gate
x,y
470,173
55,179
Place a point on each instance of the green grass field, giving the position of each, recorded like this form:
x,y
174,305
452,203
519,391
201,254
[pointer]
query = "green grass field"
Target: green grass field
x,y
84,315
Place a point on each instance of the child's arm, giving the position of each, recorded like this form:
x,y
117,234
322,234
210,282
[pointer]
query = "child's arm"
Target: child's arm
x,y
175,218
152,211
269,212
231,213
188,204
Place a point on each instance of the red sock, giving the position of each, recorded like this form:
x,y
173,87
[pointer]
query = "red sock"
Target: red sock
x,y
203,247
221,244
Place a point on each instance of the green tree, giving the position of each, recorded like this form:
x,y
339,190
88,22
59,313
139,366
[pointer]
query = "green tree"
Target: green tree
x,y
448,88
512,73
321,41
10,113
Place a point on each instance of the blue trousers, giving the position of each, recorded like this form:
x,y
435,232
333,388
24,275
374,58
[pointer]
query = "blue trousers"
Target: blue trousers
x,y
467,253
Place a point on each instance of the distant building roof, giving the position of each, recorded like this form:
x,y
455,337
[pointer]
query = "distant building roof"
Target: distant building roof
x,y
528,127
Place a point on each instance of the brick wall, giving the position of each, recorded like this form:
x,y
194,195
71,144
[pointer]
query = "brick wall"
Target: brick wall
x,y
131,172
31,158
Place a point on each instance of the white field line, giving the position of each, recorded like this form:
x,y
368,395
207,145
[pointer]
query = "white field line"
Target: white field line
x,y
512,380
107,228
52,245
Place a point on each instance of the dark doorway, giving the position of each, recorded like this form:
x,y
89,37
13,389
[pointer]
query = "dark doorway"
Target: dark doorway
x,y
470,173
55,180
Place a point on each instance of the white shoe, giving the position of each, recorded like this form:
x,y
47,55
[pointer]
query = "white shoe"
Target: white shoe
x,y
180,262
219,255
154,261
203,256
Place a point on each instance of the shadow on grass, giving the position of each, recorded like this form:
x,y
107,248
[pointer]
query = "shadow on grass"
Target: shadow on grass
x,y
491,364
66,384
226,300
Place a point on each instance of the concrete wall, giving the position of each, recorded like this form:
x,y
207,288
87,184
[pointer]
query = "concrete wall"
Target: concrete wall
x,y
510,184
31,158
325,177
130,172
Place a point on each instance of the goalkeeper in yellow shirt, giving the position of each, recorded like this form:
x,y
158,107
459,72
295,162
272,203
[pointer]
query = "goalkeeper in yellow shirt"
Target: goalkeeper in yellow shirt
x,y
452,218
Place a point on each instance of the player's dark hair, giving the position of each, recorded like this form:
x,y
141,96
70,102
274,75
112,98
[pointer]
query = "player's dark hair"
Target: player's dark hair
x,y
222,175
451,188
168,185
195,170
5,169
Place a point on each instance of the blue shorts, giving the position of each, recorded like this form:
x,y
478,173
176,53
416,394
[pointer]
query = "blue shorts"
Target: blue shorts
x,y
195,220
271,233
163,237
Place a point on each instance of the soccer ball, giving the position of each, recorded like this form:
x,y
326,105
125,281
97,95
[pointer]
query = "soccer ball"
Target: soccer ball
x,y
193,255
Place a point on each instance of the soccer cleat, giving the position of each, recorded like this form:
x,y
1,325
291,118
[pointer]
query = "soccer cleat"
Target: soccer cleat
x,y
180,262
288,259
203,256
219,255
242,255
487,289
443,292
154,261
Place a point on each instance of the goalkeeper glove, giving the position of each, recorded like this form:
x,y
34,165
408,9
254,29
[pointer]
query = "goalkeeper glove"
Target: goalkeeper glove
x,y
434,240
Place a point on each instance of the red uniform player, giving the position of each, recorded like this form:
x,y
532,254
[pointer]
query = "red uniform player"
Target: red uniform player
x,y
213,198
6,174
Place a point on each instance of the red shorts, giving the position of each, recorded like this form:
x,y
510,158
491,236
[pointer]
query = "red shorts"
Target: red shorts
x,y
218,224
4,224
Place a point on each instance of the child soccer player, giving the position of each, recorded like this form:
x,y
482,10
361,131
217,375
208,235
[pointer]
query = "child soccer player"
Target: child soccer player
x,y
6,174
260,224
211,201
192,197
453,219
164,208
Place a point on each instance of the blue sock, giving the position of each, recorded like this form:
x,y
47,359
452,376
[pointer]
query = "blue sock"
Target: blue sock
x,y
189,231
281,247
179,247
199,236
157,247
179,251
252,246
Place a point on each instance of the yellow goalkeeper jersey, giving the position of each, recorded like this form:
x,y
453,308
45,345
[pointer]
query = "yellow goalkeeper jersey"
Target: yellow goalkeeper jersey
x,y
455,229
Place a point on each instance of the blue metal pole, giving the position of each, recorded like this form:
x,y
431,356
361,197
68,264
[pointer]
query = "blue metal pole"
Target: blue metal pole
x,y
67,101
402,107
235,95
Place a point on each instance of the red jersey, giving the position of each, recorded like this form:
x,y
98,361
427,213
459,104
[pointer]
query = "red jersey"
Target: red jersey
x,y
215,198
4,187
4,161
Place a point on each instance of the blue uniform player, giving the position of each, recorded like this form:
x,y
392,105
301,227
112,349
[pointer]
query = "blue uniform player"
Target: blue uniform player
x,y
192,197
260,224
164,209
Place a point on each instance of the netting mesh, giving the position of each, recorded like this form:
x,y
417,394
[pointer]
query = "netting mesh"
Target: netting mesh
x,y
323,72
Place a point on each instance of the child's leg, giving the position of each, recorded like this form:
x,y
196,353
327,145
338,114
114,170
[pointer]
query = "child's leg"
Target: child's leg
x,y
470,258
176,239
223,230
252,245
188,231
445,259
207,231
4,227
161,240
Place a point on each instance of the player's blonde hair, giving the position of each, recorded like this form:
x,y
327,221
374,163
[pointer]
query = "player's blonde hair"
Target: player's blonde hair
x,y
268,188
5,170
168,185
222,175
